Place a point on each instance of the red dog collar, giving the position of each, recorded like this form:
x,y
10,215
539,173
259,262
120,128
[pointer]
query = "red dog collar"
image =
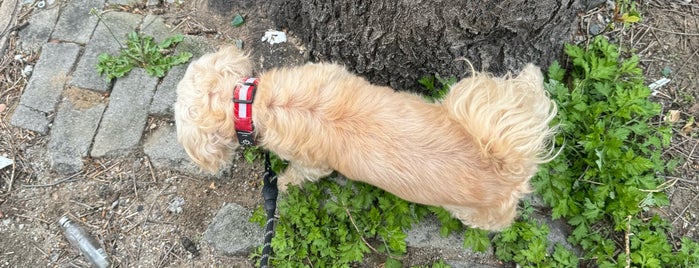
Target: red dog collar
x,y
243,96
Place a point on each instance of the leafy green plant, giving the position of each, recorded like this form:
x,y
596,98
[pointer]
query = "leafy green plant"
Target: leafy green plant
x,y
606,177
142,52
436,86
625,11
326,224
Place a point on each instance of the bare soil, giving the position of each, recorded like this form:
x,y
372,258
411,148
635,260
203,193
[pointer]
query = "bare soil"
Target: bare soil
x,y
667,41
133,206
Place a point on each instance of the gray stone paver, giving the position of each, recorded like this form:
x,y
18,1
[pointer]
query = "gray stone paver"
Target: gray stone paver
x,y
120,23
155,26
75,24
50,73
44,88
231,233
197,45
72,132
39,29
164,151
28,118
125,118
166,94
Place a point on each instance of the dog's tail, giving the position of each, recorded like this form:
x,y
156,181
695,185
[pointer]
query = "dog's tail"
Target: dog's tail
x,y
203,113
508,118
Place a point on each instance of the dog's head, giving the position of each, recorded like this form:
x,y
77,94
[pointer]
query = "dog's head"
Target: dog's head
x,y
203,111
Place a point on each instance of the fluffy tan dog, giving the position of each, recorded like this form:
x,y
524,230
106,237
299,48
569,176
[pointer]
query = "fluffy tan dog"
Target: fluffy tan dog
x,y
472,154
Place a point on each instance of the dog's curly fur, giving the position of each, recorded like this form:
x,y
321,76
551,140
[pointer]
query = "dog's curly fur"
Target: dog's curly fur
x,y
472,154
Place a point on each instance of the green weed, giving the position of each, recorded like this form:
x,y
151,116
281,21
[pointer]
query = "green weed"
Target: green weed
x,y
606,178
436,86
142,52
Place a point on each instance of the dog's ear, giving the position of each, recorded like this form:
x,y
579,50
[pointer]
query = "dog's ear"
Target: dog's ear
x,y
203,111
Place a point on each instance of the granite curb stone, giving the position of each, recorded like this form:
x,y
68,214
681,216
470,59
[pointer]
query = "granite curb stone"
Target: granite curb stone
x,y
166,94
164,151
50,73
75,24
71,135
30,119
37,33
154,25
426,235
42,92
125,118
231,233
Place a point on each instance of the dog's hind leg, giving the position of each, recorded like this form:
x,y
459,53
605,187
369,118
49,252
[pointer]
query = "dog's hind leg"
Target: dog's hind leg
x,y
296,174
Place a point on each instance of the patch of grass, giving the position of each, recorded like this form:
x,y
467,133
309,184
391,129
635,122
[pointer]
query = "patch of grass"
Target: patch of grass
x,y
142,52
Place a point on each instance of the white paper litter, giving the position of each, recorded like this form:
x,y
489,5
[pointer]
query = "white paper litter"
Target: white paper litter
x,y
4,162
274,37
658,84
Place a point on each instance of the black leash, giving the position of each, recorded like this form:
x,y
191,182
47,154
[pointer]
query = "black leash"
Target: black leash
x,y
269,193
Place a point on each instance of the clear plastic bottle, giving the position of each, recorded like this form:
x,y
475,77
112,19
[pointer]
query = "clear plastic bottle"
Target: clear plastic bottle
x,y
82,240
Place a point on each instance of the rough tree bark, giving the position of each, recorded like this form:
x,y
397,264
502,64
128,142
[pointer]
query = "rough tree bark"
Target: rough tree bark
x,y
397,42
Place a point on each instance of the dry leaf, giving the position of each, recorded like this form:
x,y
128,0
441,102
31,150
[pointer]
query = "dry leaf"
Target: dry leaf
x,y
674,116
688,127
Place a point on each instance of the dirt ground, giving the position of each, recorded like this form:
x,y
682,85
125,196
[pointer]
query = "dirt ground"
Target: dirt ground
x,y
134,207
667,41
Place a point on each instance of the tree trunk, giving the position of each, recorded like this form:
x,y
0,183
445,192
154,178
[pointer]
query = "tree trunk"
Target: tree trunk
x,y
399,41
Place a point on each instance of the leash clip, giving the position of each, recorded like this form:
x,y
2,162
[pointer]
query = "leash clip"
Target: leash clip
x,y
245,138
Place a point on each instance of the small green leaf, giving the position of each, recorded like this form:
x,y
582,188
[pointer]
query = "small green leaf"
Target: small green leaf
x,y
626,17
666,71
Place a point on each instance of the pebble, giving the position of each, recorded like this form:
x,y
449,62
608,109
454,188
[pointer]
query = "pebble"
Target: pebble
x,y
27,71
175,205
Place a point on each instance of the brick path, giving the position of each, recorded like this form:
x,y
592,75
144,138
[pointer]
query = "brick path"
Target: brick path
x,y
56,99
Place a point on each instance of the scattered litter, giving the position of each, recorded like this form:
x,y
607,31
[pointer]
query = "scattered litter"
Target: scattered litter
x,y
658,84
175,205
274,37
80,239
239,43
237,20
4,162
2,107
41,4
